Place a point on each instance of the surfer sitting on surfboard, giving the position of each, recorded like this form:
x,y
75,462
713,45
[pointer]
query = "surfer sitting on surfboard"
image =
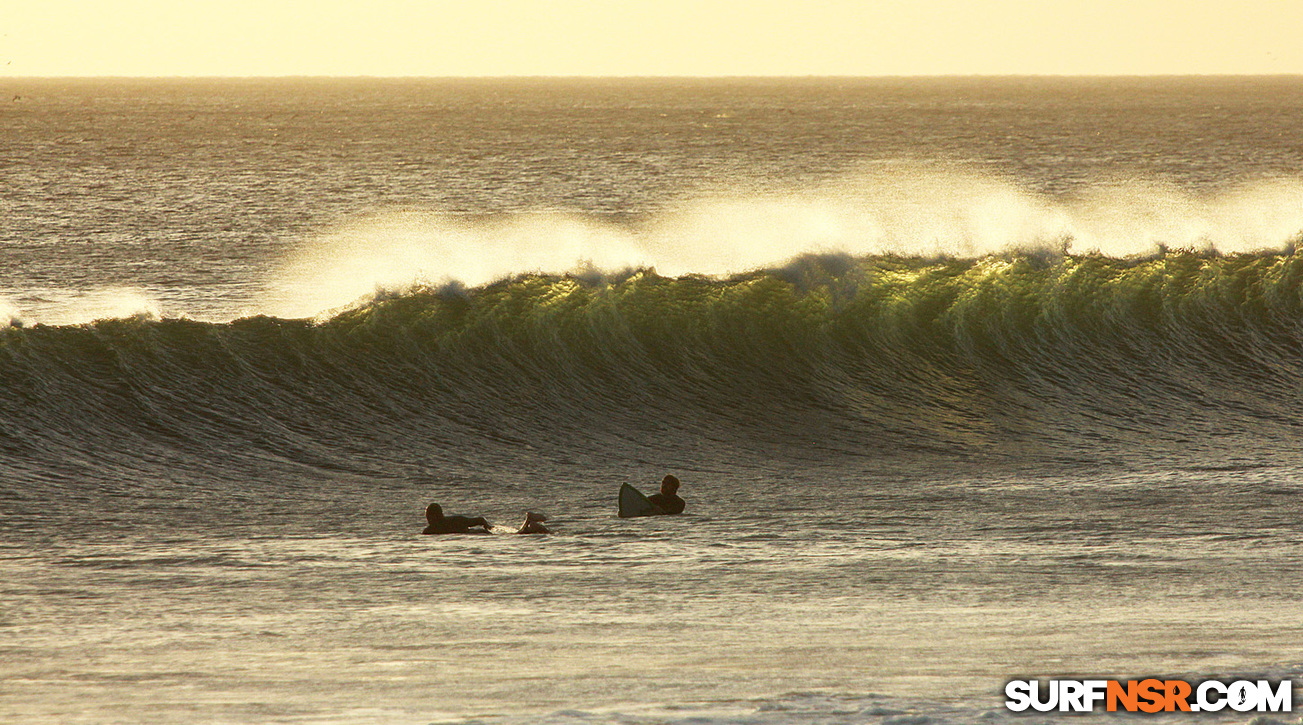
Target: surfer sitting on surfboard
x,y
533,524
667,501
440,524
634,504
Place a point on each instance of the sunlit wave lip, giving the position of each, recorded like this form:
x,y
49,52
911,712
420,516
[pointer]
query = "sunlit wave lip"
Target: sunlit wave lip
x,y
10,314
389,252
83,307
901,208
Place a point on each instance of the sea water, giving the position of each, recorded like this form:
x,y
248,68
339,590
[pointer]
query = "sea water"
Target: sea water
x,y
967,380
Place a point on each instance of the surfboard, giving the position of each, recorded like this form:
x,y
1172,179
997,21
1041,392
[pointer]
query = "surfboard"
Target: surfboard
x,y
633,503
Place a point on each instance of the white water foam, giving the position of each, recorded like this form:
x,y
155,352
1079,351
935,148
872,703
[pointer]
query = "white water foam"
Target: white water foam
x,y
117,303
896,209
10,314
391,251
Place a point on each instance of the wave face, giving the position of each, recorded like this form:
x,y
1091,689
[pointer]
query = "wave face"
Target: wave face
x,y
1185,356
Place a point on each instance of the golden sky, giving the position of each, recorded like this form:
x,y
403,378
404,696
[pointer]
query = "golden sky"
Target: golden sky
x,y
647,37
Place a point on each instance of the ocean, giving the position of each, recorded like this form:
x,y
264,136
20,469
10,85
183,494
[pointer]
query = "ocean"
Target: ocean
x,y
967,380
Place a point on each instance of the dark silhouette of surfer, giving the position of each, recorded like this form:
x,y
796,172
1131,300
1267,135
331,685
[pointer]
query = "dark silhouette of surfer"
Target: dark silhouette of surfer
x,y
440,524
667,500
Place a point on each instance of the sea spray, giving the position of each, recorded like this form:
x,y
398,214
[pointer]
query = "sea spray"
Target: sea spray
x,y
895,209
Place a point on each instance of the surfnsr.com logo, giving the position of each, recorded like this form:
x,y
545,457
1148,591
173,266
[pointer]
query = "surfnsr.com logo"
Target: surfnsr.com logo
x,y
1150,695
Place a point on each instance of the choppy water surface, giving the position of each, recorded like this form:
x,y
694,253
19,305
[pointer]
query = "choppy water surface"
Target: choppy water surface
x,y
896,596
967,381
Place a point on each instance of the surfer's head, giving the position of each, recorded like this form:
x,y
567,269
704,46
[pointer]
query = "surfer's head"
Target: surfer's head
x,y
531,517
433,512
669,485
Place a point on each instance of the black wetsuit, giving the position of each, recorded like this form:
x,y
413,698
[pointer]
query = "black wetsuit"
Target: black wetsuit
x,y
454,525
670,504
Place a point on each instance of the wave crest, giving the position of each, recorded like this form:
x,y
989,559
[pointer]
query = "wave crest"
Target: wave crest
x,y
1073,357
892,209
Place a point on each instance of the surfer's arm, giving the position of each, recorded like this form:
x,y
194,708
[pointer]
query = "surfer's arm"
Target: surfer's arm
x,y
657,501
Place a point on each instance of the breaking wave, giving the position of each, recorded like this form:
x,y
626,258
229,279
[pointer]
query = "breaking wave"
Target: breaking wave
x,y
1020,356
891,209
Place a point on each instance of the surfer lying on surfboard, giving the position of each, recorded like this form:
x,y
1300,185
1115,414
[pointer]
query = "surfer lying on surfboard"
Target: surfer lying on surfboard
x,y
440,524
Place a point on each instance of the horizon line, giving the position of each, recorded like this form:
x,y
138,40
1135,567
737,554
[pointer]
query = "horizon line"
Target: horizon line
x,y
810,76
